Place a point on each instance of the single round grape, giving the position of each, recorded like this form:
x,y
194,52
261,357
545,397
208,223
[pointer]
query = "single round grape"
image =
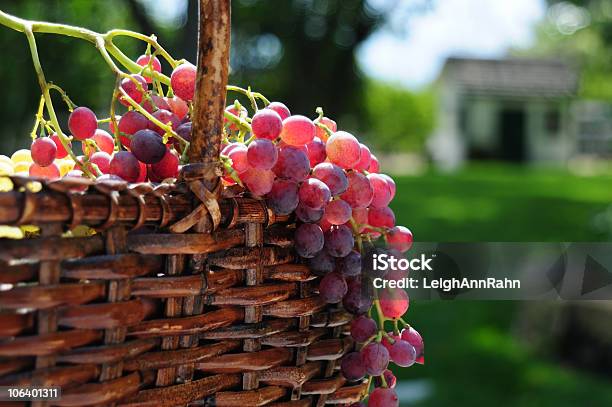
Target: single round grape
x,y
321,133
135,86
308,215
177,106
266,124
337,212
82,123
343,149
332,288
308,240
413,337
283,198
359,193
183,80
262,154
365,156
167,167
61,151
102,160
352,366
154,103
381,189
155,65
314,193
321,263
358,298
350,265
363,328
49,172
103,140
130,123
148,146
399,238
383,397
394,302
259,182
375,358
279,108
297,130
166,117
390,184
374,165
333,176
125,165
43,151
381,217
390,379
22,156
237,152
316,151
292,164
339,241
402,353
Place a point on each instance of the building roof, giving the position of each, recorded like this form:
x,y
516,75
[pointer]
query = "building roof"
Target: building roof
x,y
513,77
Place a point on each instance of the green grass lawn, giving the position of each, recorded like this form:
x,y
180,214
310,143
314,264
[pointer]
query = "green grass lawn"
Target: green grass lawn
x,y
473,359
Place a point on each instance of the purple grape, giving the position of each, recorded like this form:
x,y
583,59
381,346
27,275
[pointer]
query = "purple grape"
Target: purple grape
x,y
333,176
376,358
309,215
148,146
352,366
292,164
308,240
362,328
350,265
339,241
321,263
283,198
332,288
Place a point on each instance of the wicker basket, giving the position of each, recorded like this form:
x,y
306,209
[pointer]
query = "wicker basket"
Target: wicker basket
x,y
188,294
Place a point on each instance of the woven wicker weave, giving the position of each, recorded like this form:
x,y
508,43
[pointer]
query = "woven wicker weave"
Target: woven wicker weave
x,y
157,309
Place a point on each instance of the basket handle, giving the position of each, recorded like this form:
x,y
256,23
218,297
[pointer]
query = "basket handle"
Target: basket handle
x,y
212,76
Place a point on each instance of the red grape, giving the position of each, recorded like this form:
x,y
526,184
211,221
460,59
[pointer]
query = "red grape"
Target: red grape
x,y
364,158
325,225
142,172
102,160
148,146
352,366
297,130
362,328
280,108
400,238
383,397
381,217
321,133
333,176
339,241
374,165
155,65
292,164
61,151
262,154
308,215
177,106
49,172
350,265
155,103
237,152
125,165
390,379
322,263
164,116
132,87
82,123
382,190
337,212
130,123
308,240
376,358
43,151
314,193
332,288
283,198
358,299
359,193
104,141
391,184
413,337
387,342
167,167
402,353
232,109
360,216
266,124
259,182
183,81
394,302
343,149
316,151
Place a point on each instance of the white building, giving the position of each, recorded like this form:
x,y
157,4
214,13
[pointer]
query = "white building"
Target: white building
x,y
516,110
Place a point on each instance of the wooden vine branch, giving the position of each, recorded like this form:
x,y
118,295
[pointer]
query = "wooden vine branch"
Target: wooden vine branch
x,y
213,72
